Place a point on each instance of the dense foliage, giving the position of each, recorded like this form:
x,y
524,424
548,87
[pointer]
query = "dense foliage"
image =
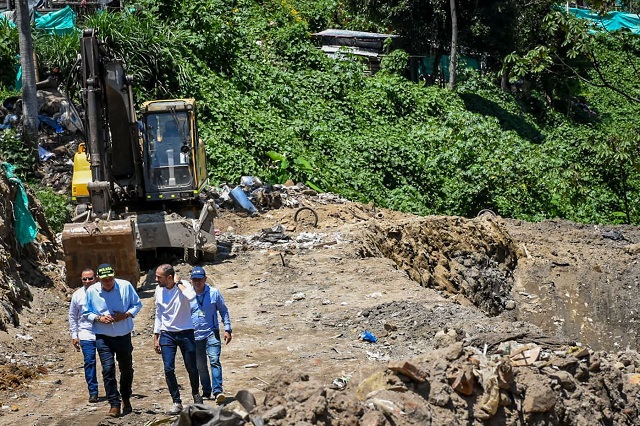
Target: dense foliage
x,y
272,105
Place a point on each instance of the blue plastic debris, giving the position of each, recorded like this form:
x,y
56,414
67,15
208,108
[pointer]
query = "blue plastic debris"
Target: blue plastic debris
x,y
368,337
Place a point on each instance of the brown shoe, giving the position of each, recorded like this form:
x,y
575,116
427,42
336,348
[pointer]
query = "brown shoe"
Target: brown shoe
x,y
126,406
114,412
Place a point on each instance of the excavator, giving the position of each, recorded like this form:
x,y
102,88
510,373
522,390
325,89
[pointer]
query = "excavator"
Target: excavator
x,y
138,181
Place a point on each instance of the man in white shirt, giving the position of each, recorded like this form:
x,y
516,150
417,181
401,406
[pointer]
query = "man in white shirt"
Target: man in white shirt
x,y
82,336
173,329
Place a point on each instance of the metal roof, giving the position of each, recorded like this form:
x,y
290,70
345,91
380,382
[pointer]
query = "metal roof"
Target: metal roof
x,y
353,34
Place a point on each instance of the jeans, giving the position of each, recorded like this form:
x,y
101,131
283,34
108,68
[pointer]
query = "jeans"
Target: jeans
x,y
111,349
89,353
169,342
209,348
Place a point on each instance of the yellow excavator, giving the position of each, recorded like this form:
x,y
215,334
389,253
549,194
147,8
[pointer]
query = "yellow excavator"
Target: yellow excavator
x,y
137,181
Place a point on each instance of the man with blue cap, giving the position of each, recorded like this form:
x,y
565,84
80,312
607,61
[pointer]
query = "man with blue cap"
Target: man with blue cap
x,y
204,314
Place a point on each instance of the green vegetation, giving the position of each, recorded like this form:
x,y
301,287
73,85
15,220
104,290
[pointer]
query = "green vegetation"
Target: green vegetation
x,y
56,207
558,143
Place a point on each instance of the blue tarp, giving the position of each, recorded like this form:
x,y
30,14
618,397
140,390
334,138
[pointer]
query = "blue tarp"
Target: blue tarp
x,y
611,21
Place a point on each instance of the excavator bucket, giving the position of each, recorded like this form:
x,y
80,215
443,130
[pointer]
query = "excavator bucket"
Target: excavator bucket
x,y
87,245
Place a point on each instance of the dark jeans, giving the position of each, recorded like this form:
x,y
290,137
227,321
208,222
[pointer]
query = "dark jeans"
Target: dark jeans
x,y
169,342
89,354
111,349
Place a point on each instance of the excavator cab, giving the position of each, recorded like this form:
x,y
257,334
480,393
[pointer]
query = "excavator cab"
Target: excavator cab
x,y
172,151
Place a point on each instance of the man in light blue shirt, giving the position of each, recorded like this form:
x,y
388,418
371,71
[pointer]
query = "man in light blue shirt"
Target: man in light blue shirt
x,y
111,306
204,314
82,336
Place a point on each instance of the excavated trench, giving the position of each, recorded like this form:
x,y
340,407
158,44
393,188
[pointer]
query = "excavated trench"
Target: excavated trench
x,y
570,280
471,260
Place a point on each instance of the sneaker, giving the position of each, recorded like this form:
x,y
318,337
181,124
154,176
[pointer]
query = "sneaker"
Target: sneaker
x,y
176,408
114,411
197,399
126,406
206,396
219,397
93,398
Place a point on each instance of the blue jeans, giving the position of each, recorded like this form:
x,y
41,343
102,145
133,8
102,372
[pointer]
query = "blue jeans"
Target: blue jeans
x,y
89,353
111,349
170,341
209,348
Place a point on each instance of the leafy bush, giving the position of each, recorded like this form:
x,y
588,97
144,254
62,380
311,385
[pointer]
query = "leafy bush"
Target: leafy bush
x,y
56,207
13,150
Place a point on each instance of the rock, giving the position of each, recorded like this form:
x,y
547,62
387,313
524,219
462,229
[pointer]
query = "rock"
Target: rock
x,y
373,418
275,413
539,398
562,377
408,369
440,394
463,380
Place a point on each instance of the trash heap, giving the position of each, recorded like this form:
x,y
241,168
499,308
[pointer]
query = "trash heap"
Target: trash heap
x,y
32,264
58,125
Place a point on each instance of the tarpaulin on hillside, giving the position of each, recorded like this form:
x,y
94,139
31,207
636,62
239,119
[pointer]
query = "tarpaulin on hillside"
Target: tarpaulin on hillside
x,y
61,22
26,228
611,21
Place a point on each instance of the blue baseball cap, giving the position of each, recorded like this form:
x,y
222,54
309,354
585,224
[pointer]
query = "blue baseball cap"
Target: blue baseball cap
x,y
198,272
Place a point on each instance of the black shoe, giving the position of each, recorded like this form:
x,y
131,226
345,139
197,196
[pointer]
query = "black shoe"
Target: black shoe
x,y
93,398
197,399
126,406
206,395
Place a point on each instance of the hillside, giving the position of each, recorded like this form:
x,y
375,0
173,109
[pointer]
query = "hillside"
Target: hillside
x,y
453,302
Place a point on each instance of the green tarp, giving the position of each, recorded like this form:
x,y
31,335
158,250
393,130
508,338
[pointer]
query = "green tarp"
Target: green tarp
x,y
611,21
26,228
61,22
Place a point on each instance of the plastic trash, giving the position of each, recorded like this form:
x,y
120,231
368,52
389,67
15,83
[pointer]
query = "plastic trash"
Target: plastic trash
x,y
250,181
241,198
44,154
368,337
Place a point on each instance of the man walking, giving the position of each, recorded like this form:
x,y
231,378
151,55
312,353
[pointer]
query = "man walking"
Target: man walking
x,y
111,306
204,314
82,336
173,329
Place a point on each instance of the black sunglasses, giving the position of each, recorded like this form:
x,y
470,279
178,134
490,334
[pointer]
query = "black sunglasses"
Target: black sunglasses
x,y
87,278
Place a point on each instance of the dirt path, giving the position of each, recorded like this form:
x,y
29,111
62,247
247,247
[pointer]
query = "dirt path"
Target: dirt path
x,y
284,318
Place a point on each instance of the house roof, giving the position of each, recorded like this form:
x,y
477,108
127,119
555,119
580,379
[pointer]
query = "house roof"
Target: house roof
x,y
353,34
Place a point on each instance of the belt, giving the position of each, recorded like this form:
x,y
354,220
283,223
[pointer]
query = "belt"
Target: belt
x,y
178,332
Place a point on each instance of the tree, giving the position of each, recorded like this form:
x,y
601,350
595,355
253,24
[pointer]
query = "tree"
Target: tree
x,y
29,92
453,60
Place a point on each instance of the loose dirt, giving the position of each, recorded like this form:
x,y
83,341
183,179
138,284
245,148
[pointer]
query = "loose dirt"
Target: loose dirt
x,y
477,321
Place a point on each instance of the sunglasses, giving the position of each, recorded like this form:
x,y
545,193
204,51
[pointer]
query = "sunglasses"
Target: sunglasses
x,y
87,278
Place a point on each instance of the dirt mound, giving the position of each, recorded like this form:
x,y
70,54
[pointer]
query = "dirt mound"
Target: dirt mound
x,y
458,384
473,258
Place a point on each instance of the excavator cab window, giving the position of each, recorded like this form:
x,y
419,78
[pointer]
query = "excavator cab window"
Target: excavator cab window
x,y
168,137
